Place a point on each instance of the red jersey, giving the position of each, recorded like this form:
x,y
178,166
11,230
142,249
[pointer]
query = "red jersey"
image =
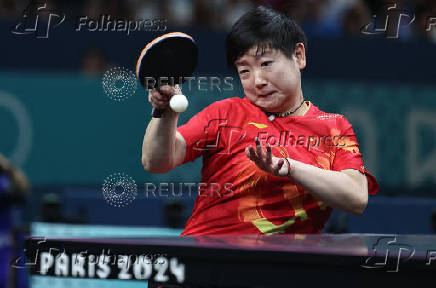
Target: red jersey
x,y
237,197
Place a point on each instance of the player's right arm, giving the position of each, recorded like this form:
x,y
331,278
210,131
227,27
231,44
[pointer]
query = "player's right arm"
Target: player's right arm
x,y
163,147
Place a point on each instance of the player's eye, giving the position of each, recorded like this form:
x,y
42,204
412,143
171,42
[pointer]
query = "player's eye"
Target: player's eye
x,y
267,63
243,71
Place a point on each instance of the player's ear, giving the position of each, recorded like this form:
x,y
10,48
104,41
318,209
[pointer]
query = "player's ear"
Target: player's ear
x,y
300,55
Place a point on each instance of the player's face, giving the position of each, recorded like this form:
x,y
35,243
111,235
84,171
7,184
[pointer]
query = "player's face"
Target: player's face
x,y
271,80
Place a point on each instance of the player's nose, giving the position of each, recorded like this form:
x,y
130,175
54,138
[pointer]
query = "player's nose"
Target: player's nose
x,y
259,79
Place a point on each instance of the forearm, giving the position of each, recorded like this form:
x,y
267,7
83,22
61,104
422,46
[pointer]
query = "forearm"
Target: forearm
x,y
158,147
335,189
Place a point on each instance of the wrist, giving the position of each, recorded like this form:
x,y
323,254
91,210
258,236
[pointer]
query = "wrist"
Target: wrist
x,y
169,113
166,113
290,170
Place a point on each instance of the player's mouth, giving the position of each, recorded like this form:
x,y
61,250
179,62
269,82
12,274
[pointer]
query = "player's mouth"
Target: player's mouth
x,y
266,94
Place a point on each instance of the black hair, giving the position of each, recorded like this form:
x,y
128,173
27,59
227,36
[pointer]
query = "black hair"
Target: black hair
x,y
266,29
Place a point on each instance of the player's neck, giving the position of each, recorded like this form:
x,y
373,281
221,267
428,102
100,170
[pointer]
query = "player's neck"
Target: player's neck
x,y
298,106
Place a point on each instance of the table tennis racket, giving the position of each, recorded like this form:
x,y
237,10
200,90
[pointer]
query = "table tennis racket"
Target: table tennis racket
x,y
172,56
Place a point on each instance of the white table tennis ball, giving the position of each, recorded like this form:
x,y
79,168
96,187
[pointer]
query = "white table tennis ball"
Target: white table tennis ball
x,y
179,103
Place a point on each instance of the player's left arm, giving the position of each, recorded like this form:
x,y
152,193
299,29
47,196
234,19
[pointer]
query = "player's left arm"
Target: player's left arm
x,y
346,190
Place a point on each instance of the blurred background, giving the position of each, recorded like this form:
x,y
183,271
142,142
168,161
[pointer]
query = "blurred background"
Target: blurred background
x,y
61,136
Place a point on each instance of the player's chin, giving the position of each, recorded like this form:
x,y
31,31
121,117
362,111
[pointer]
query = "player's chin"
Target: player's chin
x,y
268,105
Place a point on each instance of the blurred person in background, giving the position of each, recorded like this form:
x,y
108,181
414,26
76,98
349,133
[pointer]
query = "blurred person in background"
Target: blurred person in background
x,y
233,10
149,9
174,214
318,18
51,209
117,9
93,62
14,190
355,17
9,9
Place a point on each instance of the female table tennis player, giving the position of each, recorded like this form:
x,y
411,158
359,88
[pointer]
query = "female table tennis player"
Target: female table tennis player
x,y
280,164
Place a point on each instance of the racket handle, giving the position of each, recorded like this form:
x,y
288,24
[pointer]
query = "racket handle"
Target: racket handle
x,y
156,113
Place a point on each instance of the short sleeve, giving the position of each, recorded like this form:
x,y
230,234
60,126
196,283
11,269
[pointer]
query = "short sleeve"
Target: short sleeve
x,y
200,132
347,154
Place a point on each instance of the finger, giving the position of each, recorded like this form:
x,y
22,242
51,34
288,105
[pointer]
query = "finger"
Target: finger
x,y
247,152
160,107
251,153
159,104
259,148
279,165
167,90
157,95
268,153
159,100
